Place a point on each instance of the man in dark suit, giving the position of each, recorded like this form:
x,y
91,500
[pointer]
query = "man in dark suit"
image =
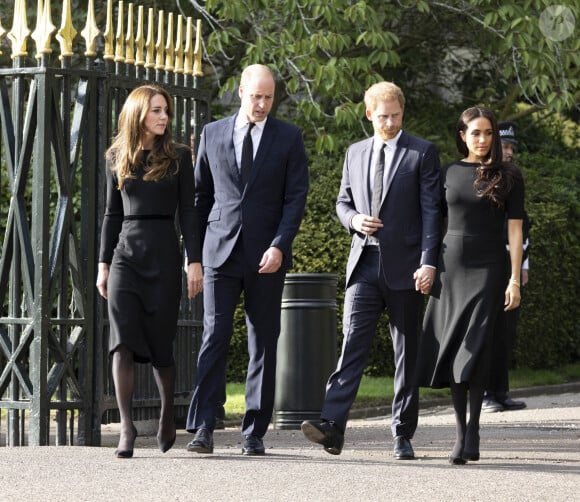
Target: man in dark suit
x,y
251,180
496,396
389,200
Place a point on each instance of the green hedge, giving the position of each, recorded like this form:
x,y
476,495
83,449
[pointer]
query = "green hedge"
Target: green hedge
x,y
549,327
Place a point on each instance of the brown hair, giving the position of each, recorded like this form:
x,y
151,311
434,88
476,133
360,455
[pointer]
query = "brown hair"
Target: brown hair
x,y
125,153
494,178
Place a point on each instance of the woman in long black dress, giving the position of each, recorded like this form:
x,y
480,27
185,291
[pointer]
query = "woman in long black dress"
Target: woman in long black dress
x,y
470,289
149,178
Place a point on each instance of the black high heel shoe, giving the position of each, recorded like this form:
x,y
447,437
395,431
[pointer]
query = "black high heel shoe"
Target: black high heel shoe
x,y
457,457
461,460
471,442
128,453
165,444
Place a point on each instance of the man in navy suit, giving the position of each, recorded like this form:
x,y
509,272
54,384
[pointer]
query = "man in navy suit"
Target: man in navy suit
x,y
251,180
389,201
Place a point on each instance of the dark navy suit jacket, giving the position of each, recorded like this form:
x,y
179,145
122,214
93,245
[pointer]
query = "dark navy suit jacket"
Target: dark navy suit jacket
x,y
410,209
268,210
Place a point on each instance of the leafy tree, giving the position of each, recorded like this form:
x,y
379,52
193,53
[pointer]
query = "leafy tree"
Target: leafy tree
x,y
326,53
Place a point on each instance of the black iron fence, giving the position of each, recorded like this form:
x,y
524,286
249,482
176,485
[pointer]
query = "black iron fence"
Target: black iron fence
x,y
56,121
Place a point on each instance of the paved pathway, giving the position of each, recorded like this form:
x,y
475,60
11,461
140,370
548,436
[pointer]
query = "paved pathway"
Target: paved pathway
x,y
527,455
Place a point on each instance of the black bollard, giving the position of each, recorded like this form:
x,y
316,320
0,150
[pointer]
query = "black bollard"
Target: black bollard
x,y
307,351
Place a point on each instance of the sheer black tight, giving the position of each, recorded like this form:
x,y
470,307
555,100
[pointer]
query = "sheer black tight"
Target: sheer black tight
x,y
165,379
123,368
466,434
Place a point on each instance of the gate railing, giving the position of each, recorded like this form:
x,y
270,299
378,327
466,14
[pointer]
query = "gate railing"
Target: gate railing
x,y
56,122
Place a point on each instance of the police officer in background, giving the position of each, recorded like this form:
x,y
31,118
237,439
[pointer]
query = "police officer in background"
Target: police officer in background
x,y
496,397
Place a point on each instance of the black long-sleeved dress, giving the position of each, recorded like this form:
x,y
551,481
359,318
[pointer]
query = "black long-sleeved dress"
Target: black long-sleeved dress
x,y
140,242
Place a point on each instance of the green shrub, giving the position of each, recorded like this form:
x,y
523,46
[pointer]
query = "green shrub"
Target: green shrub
x,y
549,329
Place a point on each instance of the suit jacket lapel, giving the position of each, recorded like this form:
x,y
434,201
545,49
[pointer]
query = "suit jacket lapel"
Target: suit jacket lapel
x,y
229,152
365,165
266,141
400,152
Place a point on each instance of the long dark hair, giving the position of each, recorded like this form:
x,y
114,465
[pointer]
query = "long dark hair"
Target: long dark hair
x,y
494,178
125,152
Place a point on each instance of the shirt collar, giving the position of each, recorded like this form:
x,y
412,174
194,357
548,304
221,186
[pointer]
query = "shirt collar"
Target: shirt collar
x,y
378,142
242,122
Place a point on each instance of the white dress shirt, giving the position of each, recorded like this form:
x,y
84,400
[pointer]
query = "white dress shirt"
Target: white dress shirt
x,y
391,146
240,129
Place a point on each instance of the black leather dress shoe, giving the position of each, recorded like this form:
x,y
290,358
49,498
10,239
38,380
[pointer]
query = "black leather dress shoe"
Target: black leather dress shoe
x,y
325,433
490,405
402,449
511,405
202,442
253,445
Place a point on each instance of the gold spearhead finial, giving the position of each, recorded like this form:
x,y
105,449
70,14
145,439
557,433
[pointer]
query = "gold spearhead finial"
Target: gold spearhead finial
x,y
179,46
150,44
197,67
159,49
129,39
91,32
2,33
188,59
140,39
120,41
42,34
67,32
20,32
169,48
109,37
39,12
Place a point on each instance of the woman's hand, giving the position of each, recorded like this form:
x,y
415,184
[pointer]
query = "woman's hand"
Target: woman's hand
x,y
102,279
194,279
424,277
512,296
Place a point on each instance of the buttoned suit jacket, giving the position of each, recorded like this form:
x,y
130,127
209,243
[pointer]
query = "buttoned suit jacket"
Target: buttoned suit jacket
x,y
410,209
268,210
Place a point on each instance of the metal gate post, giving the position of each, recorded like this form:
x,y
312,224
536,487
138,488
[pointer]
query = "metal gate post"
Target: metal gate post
x,y
39,411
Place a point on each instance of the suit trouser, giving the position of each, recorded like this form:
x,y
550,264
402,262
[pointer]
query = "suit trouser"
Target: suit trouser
x,y
262,300
367,296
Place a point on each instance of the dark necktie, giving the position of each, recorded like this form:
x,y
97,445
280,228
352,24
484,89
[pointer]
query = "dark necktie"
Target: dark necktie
x,y
378,182
247,154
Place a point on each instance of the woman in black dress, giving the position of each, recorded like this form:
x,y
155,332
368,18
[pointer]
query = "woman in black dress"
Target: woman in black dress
x,y
149,179
479,191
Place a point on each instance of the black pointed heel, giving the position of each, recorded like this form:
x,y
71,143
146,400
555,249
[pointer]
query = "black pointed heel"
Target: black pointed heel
x,y
165,444
128,453
457,460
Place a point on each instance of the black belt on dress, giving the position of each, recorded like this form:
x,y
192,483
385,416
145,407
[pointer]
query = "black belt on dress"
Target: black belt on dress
x,y
148,217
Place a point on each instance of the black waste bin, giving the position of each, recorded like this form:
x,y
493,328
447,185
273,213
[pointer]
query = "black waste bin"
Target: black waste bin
x,y
307,351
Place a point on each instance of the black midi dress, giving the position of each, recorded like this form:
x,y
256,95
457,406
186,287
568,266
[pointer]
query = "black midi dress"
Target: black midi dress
x,y
469,291
140,243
